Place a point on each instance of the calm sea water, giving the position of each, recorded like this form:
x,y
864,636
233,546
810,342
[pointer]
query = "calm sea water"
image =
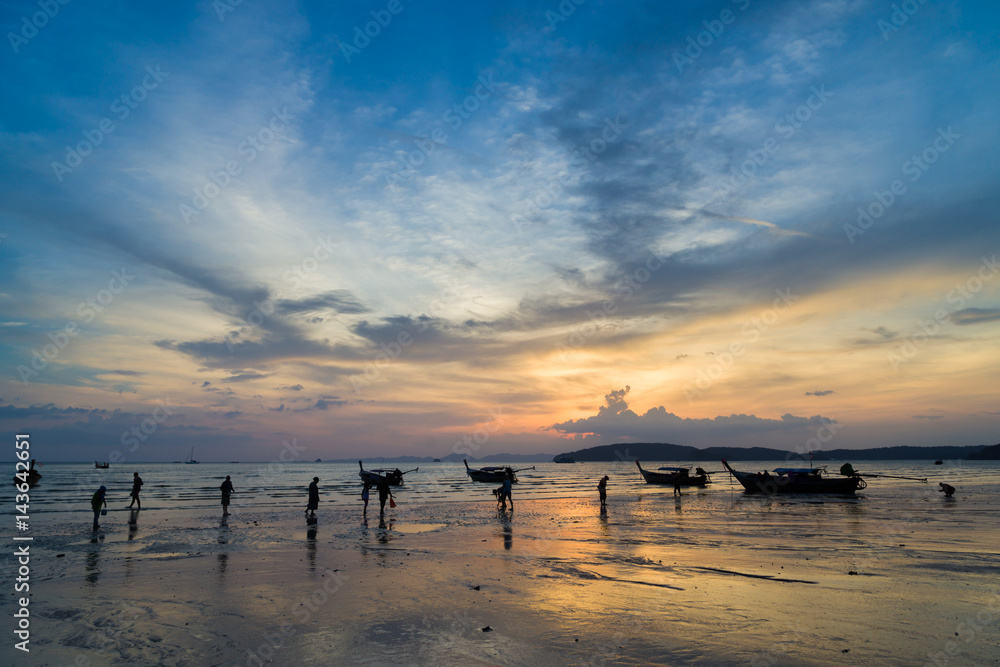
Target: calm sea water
x,y
173,486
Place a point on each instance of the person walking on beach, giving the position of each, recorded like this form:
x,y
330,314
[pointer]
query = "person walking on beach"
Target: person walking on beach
x,y
97,503
364,496
602,489
227,490
383,493
313,504
508,480
136,485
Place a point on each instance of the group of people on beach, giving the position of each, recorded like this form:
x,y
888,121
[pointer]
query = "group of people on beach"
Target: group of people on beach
x,y
99,502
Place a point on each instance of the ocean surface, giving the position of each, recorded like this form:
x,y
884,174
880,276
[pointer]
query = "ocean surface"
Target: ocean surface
x,y
67,487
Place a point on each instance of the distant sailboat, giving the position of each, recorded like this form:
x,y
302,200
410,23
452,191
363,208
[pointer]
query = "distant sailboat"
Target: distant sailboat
x,y
190,458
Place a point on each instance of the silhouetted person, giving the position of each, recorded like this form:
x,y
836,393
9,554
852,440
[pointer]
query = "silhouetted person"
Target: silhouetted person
x,y
508,481
383,493
680,477
313,496
227,490
948,489
136,486
364,496
602,489
98,502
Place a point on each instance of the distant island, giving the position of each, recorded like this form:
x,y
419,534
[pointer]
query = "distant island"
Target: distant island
x,y
659,451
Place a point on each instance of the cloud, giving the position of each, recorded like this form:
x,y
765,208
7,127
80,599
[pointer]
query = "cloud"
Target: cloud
x,y
47,412
341,301
323,404
928,416
614,420
822,392
968,316
245,377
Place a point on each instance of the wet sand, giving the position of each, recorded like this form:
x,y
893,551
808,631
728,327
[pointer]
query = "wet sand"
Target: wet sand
x,y
710,579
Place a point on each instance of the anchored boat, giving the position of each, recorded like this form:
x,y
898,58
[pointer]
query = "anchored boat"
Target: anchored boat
x,y
795,480
675,476
372,477
492,474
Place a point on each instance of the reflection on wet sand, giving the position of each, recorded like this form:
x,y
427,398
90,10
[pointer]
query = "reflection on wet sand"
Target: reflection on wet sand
x,y
93,563
223,537
312,527
222,562
133,523
506,521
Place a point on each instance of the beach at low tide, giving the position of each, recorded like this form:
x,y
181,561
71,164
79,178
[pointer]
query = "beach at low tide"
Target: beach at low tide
x,y
899,575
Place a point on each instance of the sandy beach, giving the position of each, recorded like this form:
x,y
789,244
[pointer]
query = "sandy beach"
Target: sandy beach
x,y
712,578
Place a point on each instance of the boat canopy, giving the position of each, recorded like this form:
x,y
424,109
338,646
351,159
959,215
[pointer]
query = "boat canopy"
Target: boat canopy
x,y
797,471
672,468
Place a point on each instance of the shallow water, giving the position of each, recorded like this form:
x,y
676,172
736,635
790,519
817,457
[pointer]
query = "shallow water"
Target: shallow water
x,y
712,577
68,486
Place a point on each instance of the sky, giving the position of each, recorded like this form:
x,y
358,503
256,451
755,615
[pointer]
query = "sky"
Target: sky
x,y
374,229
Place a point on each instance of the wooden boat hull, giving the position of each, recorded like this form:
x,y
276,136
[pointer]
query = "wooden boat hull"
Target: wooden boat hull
x,y
487,476
373,478
799,484
669,478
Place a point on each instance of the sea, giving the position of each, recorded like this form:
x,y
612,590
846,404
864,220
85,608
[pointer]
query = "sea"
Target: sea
x,y
68,487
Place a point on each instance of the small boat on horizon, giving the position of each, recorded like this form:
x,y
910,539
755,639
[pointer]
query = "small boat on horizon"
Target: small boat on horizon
x,y
563,458
796,480
190,458
102,466
675,476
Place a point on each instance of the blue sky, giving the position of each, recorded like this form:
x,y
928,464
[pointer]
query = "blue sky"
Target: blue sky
x,y
723,223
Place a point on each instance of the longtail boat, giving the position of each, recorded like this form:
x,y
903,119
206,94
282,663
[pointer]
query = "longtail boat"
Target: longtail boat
x,y
675,476
372,477
795,480
31,477
492,474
